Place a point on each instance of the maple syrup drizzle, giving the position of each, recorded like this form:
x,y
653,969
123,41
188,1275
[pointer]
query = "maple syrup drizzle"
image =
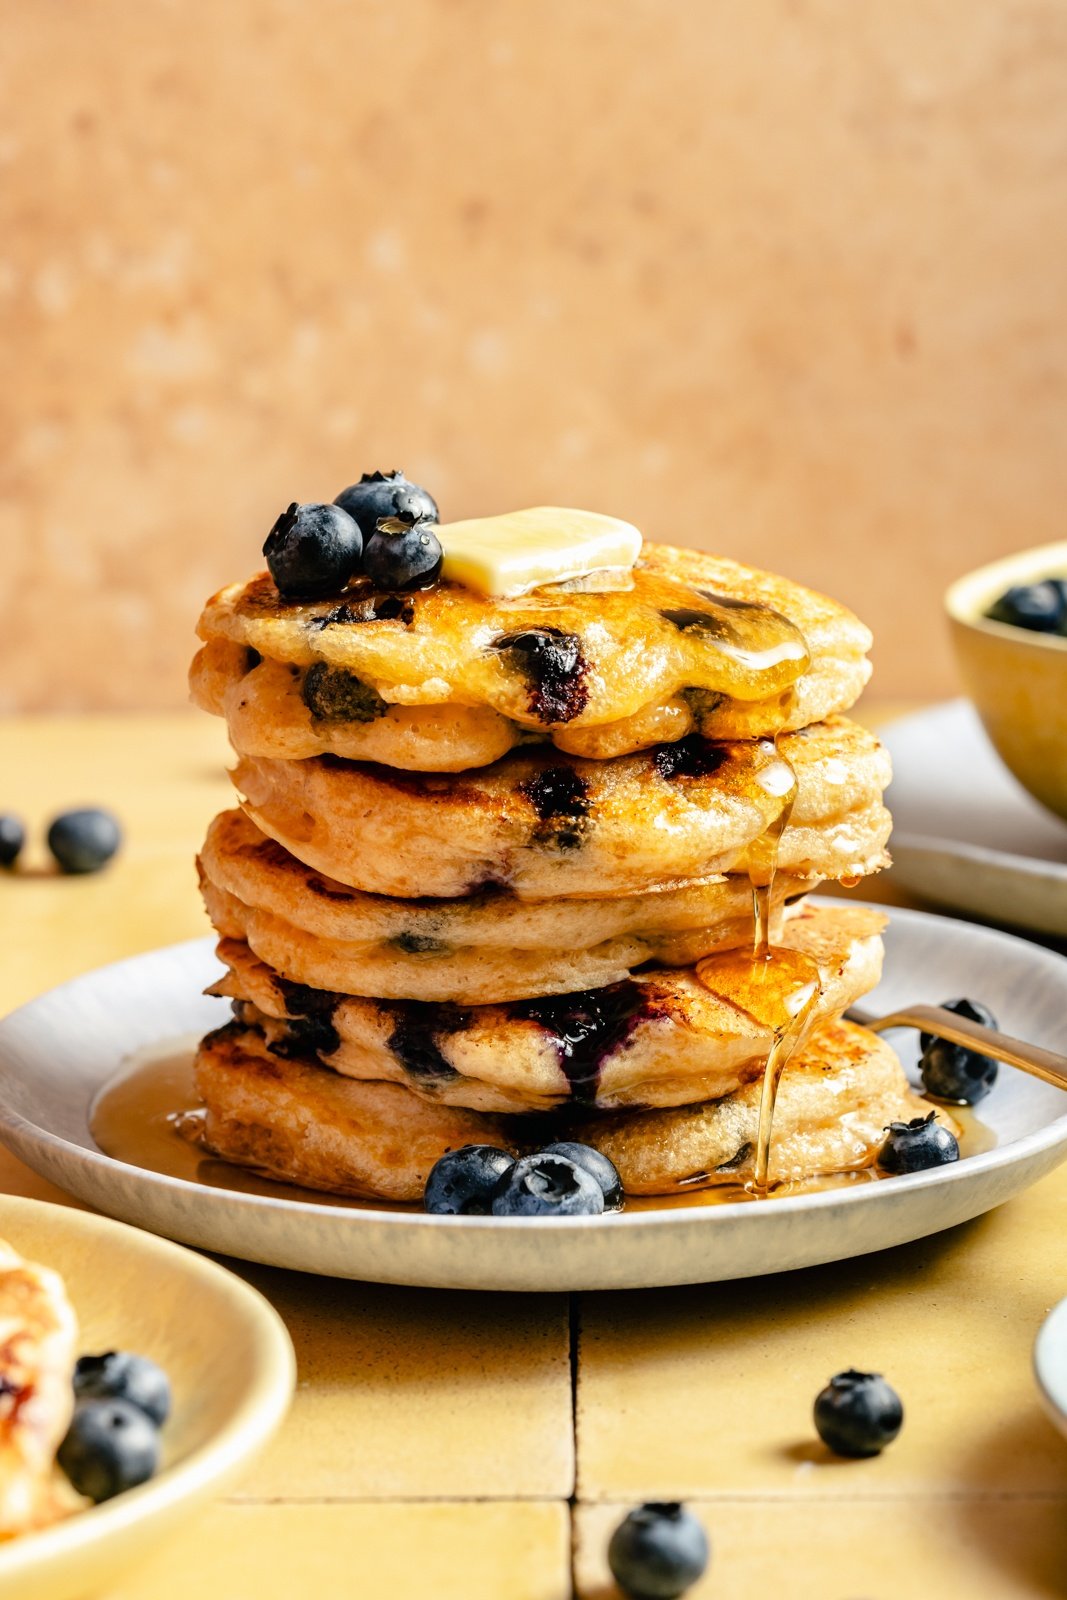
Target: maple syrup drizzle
x,y
778,987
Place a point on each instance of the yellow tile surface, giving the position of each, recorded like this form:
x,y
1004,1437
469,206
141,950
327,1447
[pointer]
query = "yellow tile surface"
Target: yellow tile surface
x,y
409,1394
974,1549
413,1552
697,1391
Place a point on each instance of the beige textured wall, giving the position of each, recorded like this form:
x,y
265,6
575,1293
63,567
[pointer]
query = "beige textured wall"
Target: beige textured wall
x,y
781,279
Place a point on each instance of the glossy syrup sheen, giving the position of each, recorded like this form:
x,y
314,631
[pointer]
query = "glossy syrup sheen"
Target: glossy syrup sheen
x,y
145,1118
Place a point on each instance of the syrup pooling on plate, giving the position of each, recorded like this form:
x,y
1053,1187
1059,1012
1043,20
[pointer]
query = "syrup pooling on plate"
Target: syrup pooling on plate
x,y
779,987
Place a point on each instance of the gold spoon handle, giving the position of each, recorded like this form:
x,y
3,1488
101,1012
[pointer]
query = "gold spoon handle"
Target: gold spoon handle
x,y
1030,1058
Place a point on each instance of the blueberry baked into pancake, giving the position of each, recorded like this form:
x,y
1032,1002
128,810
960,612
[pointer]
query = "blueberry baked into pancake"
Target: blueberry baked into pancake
x,y
513,912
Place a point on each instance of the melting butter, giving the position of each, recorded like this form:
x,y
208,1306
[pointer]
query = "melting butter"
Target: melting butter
x,y
509,555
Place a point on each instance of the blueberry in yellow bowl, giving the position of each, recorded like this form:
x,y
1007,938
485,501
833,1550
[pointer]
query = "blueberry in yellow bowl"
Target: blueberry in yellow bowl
x,y
1009,632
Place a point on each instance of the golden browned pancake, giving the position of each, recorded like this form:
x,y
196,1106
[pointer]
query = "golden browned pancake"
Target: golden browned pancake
x,y
691,626
296,1121
38,1333
285,710
548,825
660,1038
483,948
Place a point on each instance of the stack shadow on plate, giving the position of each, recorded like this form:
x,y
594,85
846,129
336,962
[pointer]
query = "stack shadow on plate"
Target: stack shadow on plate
x,y
484,846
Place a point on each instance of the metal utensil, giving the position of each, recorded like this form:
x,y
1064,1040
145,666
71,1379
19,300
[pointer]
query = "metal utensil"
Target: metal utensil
x,y
1045,1064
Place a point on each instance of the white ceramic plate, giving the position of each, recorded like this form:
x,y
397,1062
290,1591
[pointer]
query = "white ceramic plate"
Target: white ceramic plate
x,y
231,1372
965,834
56,1052
1050,1364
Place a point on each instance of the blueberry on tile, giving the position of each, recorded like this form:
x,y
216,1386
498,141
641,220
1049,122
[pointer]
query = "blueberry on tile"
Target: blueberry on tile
x,y
913,1146
121,1375
462,1182
312,551
110,1446
858,1414
84,840
386,494
12,839
658,1551
545,1185
597,1165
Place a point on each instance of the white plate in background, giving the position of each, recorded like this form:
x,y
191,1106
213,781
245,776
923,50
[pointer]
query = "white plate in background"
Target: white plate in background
x,y
965,833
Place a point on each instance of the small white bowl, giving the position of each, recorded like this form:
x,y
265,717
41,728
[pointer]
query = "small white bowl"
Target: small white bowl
x,y
229,1360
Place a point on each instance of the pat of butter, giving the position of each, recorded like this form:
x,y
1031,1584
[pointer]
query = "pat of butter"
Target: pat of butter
x,y
523,550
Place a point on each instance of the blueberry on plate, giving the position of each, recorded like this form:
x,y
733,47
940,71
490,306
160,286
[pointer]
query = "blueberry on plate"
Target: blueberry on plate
x,y
952,1073
312,551
12,839
858,1414
121,1375
973,1010
547,1186
913,1146
1041,607
402,553
462,1182
658,1551
111,1446
386,494
84,840
598,1166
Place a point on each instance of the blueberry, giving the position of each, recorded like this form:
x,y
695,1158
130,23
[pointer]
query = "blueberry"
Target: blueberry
x,y
120,1375
1041,607
546,1185
913,1146
386,494
84,841
12,839
111,1446
973,1010
402,553
598,1166
858,1414
658,1551
953,1073
461,1184
312,551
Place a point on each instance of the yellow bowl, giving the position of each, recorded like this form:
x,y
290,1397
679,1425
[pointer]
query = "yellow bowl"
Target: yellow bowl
x,y
231,1368
1017,679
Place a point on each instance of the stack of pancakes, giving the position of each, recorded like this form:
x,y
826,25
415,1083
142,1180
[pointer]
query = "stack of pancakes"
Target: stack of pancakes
x,y
484,845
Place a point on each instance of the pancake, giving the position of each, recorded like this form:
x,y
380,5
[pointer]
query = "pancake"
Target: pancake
x,y
558,658
484,948
295,1121
549,825
38,1333
836,1098
660,1038
284,710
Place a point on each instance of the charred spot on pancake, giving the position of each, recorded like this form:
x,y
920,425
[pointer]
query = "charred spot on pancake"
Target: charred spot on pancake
x,y
688,620
330,891
418,944
555,669
589,1026
370,608
560,798
738,1159
557,792
333,695
413,1041
691,757
252,659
